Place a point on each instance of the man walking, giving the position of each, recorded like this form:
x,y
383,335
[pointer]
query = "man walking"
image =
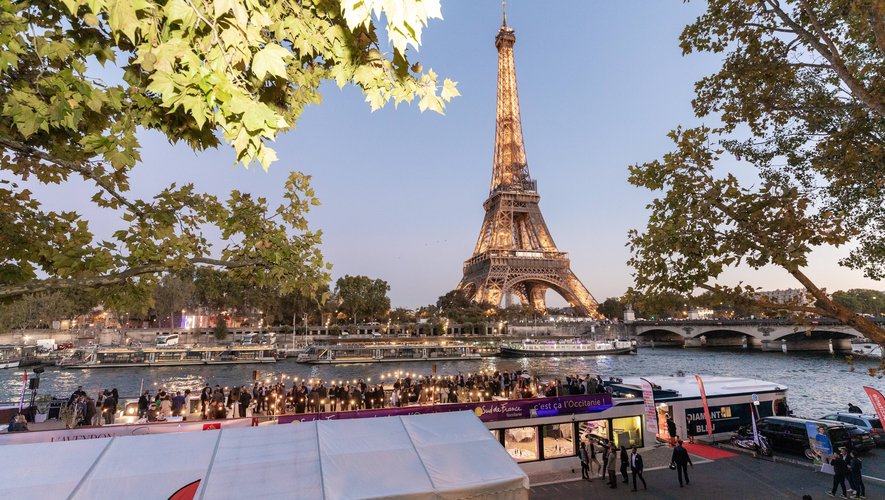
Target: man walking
x,y
582,454
612,470
855,474
591,452
636,468
671,430
605,449
840,470
682,460
624,464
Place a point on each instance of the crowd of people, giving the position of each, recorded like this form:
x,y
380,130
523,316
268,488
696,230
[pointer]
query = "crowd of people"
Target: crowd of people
x,y
614,460
82,410
311,395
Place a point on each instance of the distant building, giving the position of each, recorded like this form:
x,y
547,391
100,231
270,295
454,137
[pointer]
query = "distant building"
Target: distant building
x,y
797,296
701,313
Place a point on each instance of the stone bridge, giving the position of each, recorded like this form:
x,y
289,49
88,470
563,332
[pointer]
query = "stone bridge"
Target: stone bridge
x,y
765,334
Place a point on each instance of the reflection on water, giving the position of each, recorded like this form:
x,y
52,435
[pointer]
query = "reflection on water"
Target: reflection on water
x,y
817,383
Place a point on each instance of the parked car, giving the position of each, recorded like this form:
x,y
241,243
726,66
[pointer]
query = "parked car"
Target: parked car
x,y
869,423
788,434
860,439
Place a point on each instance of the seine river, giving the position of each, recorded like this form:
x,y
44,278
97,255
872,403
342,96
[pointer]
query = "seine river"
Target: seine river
x,y
818,383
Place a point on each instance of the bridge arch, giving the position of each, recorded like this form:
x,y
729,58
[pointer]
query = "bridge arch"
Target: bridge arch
x,y
661,335
532,290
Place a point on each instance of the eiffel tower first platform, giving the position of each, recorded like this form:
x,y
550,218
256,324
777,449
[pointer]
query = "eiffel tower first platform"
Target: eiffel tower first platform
x,y
515,253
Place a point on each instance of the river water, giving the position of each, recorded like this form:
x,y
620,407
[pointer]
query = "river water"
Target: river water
x,y
818,383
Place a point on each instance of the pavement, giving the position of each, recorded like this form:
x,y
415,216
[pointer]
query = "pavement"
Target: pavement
x,y
737,477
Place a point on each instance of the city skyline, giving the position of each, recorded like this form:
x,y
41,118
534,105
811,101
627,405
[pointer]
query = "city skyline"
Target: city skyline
x,y
600,86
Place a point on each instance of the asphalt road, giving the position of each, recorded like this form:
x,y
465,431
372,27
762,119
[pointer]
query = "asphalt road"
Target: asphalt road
x,y
739,477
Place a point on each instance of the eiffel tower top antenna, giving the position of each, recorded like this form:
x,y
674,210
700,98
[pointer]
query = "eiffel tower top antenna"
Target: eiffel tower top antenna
x,y
504,11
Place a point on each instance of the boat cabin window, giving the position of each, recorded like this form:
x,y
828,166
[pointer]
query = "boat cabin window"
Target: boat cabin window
x,y
627,431
596,429
522,443
559,440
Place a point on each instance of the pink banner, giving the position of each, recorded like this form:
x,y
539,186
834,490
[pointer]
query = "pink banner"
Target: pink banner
x,y
706,407
651,413
878,402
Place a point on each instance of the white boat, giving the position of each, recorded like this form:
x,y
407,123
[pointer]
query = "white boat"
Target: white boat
x,y
565,347
10,356
389,352
118,357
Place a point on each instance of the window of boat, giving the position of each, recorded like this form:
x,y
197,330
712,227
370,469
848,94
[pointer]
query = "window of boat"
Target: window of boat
x,y
522,443
627,431
593,429
875,423
559,440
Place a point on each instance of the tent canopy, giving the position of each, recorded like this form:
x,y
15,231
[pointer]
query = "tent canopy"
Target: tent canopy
x,y
443,455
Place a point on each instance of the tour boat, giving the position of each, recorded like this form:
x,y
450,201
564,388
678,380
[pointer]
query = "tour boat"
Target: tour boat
x,y
117,357
565,347
10,356
389,352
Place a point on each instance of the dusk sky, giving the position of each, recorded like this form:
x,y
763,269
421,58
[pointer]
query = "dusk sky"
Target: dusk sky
x,y
600,85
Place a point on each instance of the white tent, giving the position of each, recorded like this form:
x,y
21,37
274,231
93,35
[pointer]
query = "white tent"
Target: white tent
x,y
432,456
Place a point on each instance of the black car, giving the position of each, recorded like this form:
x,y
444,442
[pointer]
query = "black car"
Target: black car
x,y
789,434
861,440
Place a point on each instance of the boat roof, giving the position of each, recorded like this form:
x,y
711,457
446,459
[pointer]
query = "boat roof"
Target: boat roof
x,y
714,385
182,348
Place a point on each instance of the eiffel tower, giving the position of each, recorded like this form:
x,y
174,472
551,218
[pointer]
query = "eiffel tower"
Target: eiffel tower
x,y
515,253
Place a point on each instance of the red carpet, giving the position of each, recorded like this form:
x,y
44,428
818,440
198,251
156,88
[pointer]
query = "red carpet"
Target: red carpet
x,y
708,452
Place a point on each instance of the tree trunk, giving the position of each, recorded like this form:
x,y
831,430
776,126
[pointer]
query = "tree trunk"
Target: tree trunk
x,y
841,313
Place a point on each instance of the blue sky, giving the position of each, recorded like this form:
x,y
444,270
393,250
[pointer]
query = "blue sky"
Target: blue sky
x,y
600,85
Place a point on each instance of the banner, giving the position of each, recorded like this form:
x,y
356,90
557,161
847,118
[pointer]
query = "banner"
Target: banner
x,y
725,418
819,440
878,402
487,411
651,413
706,408
81,433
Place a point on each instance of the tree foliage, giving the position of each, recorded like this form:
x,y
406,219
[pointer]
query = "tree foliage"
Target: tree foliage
x,y
861,300
362,298
801,97
173,293
203,72
40,310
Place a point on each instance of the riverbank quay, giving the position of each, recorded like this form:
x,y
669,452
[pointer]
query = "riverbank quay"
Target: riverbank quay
x,y
737,477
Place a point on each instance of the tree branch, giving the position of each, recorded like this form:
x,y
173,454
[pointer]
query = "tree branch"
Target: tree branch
x,y
877,22
83,170
839,312
828,50
116,278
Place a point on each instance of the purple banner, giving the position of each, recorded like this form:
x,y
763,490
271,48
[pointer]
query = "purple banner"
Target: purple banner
x,y
487,411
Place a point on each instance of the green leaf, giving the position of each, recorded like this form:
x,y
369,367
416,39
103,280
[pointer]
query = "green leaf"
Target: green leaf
x,y
271,59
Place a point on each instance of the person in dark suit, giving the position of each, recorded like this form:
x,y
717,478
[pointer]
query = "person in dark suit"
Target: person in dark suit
x,y
624,463
605,448
681,460
636,468
671,430
840,471
582,454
